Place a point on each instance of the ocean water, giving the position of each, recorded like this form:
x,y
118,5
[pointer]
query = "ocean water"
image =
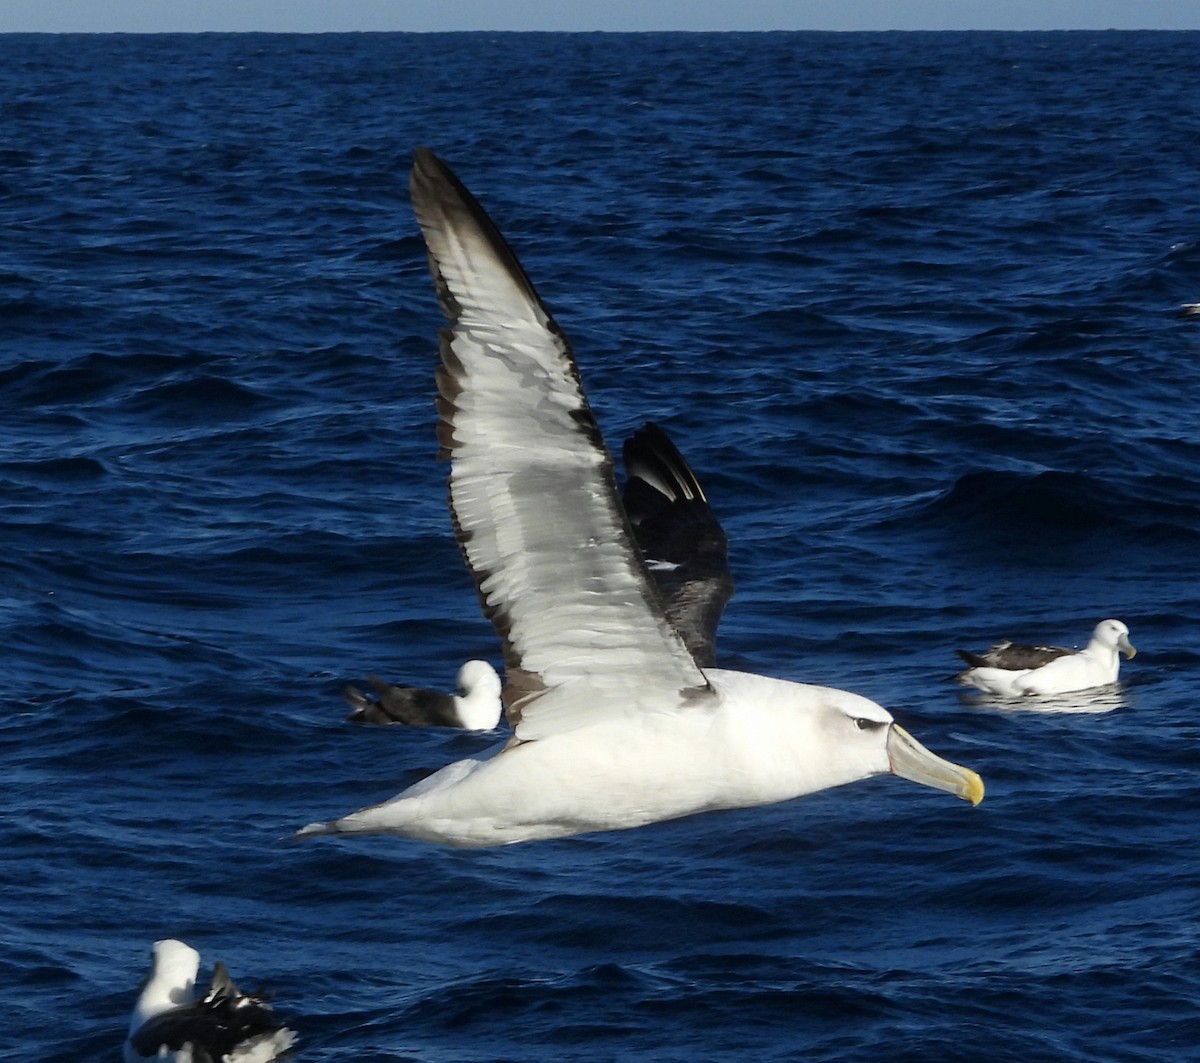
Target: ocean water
x,y
909,303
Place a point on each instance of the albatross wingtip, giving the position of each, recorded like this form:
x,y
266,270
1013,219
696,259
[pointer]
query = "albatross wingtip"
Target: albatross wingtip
x,y
428,168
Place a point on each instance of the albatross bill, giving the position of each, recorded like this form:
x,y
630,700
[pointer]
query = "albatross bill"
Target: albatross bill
x,y
615,724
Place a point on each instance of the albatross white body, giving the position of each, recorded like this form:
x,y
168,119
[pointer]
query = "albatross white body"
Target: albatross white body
x,y
751,743
614,723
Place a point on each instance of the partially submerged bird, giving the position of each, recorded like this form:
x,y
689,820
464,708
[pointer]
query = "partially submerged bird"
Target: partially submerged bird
x,y
476,706
224,1026
1012,669
615,724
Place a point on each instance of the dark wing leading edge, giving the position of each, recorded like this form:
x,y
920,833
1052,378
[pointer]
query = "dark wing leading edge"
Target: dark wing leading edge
x,y
1013,656
682,542
532,490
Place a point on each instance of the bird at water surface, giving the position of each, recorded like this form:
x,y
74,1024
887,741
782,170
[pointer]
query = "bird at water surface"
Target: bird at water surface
x,y
1011,669
225,1025
476,706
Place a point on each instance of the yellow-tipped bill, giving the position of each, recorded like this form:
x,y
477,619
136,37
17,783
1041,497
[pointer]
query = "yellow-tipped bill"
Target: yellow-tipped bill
x,y
911,760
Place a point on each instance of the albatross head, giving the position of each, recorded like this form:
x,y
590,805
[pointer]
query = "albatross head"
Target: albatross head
x,y
796,738
1113,635
479,703
860,732
839,737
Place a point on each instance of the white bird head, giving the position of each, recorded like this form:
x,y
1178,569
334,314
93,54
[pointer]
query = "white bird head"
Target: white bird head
x,y
1114,635
479,702
478,675
866,729
825,737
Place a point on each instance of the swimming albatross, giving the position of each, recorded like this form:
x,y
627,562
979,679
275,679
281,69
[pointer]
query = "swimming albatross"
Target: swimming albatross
x,y
476,706
1012,669
614,723
170,1023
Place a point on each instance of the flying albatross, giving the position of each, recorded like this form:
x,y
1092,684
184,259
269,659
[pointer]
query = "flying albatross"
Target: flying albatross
x,y
614,723
684,549
1012,669
224,1026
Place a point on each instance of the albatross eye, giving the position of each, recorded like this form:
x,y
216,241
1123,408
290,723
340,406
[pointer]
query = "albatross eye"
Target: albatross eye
x,y
863,724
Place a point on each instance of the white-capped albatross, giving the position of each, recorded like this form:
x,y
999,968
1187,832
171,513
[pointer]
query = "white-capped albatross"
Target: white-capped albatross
x,y
1011,669
476,706
224,1026
614,723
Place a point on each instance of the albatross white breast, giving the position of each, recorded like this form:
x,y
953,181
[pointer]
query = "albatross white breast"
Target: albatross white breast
x,y
1012,669
615,724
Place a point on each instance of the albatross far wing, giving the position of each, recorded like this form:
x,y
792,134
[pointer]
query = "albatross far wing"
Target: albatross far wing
x,y
1013,656
532,490
681,540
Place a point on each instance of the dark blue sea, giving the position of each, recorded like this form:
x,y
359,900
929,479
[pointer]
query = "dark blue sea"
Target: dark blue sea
x,y
911,306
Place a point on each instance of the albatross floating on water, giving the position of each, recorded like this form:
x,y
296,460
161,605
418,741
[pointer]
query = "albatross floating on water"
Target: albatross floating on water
x,y
224,1026
476,706
1012,669
614,723
685,551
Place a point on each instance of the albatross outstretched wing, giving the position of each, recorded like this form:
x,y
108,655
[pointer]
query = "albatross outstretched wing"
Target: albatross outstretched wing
x,y
532,489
